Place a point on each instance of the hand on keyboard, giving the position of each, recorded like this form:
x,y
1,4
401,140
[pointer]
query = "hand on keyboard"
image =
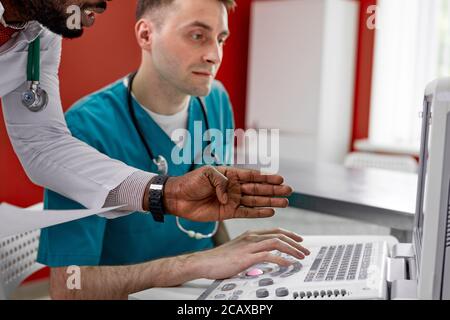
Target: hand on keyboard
x,y
247,250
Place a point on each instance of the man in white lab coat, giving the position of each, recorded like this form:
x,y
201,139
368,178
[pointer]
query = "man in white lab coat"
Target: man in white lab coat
x,y
54,159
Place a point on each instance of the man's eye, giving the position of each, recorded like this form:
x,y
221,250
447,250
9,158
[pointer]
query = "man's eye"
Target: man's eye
x,y
222,41
197,36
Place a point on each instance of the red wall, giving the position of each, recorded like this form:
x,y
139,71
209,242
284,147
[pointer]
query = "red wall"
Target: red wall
x,y
105,53
364,68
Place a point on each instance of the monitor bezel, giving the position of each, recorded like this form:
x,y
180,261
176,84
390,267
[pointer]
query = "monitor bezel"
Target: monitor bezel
x,y
423,163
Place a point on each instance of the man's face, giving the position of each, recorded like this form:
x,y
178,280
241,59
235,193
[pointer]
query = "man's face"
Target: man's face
x,y
55,14
187,47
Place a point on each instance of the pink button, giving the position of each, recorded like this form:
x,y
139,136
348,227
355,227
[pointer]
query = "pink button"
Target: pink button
x,y
254,272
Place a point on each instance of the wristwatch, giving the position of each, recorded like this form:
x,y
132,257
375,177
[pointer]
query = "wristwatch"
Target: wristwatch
x,y
155,197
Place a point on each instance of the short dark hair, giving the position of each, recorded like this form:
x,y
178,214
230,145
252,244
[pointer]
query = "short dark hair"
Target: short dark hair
x,y
143,6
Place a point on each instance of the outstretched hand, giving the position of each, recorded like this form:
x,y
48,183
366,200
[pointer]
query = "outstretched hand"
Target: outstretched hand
x,y
221,193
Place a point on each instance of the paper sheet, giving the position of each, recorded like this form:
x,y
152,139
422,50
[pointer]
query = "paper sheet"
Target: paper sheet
x,y
15,220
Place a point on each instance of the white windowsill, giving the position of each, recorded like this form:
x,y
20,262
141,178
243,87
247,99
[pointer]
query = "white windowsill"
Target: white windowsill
x,y
368,146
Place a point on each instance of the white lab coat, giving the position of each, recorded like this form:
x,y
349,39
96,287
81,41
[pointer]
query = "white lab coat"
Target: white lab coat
x,y
49,154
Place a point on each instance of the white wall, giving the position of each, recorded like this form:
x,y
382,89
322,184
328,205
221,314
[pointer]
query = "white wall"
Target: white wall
x,y
301,75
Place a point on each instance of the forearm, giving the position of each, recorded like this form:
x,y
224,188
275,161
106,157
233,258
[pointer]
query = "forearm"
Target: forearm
x,y
116,283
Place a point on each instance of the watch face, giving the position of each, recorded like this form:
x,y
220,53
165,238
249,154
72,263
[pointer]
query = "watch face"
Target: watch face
x,y
156,187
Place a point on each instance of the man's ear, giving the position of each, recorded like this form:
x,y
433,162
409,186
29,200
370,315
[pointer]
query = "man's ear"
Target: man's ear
x,y
144,34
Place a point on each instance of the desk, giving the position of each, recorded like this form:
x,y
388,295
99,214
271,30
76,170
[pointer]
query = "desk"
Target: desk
x,y
193,289
381,197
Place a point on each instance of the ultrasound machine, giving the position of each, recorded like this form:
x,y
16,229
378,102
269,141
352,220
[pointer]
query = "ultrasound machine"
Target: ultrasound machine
x,y
373,269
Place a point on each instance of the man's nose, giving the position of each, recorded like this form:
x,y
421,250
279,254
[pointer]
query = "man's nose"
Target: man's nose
x,y
214,54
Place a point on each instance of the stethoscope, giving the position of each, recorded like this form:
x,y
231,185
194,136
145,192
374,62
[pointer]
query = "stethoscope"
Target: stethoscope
x,y
35,98
160,161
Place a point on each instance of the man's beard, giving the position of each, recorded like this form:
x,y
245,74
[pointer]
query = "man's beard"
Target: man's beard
x,y
56,21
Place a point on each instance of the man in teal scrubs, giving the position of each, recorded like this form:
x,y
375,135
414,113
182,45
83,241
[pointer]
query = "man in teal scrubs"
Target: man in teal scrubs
x,y
182,43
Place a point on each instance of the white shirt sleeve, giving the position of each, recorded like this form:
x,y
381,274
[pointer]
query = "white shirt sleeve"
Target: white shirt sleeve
x,y
50,155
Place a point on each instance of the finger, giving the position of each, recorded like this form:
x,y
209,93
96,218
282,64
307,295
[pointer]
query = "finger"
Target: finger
x,y
248,175
286,239
250,201
290,234
245,212
219,182
277,244
287,233
257,189
261,257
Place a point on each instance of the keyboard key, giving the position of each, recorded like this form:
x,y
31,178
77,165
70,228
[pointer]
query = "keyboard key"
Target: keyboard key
x,y
262,293
228,287
265,282
281,292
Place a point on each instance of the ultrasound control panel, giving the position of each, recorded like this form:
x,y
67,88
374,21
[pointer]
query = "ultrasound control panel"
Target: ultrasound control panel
x,y
330,272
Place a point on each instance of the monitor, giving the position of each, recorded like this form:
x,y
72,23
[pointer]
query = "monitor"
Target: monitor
x,y
431,235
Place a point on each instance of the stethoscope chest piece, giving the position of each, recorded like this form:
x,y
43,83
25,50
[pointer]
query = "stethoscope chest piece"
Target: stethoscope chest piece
x,y
35,99
162,165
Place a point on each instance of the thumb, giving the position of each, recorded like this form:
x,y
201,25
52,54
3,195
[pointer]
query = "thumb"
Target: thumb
x,y
220,183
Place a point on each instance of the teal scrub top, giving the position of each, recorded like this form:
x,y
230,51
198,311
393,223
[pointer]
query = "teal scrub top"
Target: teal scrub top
x,y
102,120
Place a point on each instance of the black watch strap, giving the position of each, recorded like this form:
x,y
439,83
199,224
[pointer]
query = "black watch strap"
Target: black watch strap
x,y
155,197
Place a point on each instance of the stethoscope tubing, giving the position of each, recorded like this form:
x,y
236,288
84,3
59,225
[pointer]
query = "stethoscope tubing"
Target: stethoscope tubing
x,y
34,63
190,233
136,124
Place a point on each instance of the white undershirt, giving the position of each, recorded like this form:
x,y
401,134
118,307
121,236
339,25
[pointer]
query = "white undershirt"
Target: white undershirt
x,y
171,123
